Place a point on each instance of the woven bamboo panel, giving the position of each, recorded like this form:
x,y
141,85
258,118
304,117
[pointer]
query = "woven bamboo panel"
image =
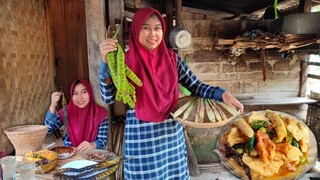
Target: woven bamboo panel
x,y
313,121
26,74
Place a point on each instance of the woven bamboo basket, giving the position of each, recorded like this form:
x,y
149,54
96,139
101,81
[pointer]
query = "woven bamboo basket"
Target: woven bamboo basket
x,y
26,138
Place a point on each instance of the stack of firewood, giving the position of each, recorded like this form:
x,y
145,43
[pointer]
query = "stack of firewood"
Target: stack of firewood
x,y
269,41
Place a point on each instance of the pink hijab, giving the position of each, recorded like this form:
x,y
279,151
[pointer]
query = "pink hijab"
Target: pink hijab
x,y
156,68
83,123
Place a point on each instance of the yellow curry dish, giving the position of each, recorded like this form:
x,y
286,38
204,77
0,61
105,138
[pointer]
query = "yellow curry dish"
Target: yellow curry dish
x,y
45,158
267,145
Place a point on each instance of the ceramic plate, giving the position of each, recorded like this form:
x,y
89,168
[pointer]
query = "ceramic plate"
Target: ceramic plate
x,y
97,155
233,167
78,164
64,152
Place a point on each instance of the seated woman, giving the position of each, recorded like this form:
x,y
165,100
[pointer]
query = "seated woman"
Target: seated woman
x,y
87,121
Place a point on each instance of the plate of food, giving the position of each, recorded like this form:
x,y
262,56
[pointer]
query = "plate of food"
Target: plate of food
x,y
267,145
64,152
97,155
44,158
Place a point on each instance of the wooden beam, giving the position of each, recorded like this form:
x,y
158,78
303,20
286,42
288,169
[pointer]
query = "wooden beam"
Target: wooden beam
x,y
178,8
314,76
314,63
116,13
169,4
305,6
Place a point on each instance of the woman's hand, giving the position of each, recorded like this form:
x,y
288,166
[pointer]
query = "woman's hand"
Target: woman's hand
x,y
85,145
107,46
232,101
55,97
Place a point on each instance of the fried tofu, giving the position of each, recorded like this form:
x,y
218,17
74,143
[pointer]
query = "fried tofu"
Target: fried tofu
x,y
261,168
235,136
300,133
292,153
255,115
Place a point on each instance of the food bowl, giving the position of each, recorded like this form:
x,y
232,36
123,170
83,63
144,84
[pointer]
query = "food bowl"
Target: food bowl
x,y
64,152
45,158
26,138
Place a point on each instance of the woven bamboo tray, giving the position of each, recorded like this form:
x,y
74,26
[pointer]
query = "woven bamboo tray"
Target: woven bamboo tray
x,y
190,121
26,138
205,124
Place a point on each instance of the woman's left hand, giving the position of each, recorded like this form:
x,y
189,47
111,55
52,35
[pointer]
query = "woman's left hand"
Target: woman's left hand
x,y
85,145
232,101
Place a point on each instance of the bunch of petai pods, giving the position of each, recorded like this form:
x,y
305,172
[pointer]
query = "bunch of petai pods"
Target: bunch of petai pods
x,y
216,111
120,74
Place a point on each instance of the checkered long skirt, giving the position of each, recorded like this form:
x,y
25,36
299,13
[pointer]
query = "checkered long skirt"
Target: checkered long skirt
x,y
156,150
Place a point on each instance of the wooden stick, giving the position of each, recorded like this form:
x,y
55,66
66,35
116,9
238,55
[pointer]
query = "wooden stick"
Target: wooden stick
x,y
193,165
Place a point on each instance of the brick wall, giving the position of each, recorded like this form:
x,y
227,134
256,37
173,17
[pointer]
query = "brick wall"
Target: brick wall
x,y
240,75
26,74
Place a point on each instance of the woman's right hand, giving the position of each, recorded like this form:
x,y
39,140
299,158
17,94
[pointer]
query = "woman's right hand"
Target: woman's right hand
x,y
107,46
55,97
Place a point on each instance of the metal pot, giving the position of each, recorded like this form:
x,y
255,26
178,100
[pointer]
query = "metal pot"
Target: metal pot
x,y
179,38
302,23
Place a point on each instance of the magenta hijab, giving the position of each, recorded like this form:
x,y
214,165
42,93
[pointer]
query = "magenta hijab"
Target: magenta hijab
x,y
156,68
83,123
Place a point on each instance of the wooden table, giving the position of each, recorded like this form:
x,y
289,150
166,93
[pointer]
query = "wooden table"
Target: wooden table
x,y
60,162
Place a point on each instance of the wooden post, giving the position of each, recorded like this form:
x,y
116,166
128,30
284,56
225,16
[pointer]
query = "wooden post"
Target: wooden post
x,y
178,7
169,18
305,6
304,77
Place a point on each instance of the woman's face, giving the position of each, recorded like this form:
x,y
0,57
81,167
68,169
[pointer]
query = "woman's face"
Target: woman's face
x,y
80,96
151,33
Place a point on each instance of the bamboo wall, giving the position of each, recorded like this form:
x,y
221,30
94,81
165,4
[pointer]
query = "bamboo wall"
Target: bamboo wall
x,y
26,74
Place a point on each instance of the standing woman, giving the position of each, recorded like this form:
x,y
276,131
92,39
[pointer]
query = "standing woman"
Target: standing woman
x,y
153,139
87,121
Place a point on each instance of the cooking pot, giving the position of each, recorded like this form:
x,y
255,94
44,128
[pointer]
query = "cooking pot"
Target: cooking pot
x,y
179,37
302,23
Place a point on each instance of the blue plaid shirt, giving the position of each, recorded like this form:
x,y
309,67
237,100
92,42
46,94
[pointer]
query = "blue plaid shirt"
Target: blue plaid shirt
x,y
54,122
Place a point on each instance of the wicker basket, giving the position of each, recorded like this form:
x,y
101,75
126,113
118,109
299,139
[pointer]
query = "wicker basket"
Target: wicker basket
x,y
26,138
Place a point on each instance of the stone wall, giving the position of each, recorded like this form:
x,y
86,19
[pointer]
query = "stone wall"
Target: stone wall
x,y
26,74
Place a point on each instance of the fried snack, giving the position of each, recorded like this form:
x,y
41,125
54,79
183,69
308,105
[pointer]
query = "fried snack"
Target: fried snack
x,y
273,145
45,158
265,147
255,115
260,168
291,152
40,155
244,127
235,136
280,126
